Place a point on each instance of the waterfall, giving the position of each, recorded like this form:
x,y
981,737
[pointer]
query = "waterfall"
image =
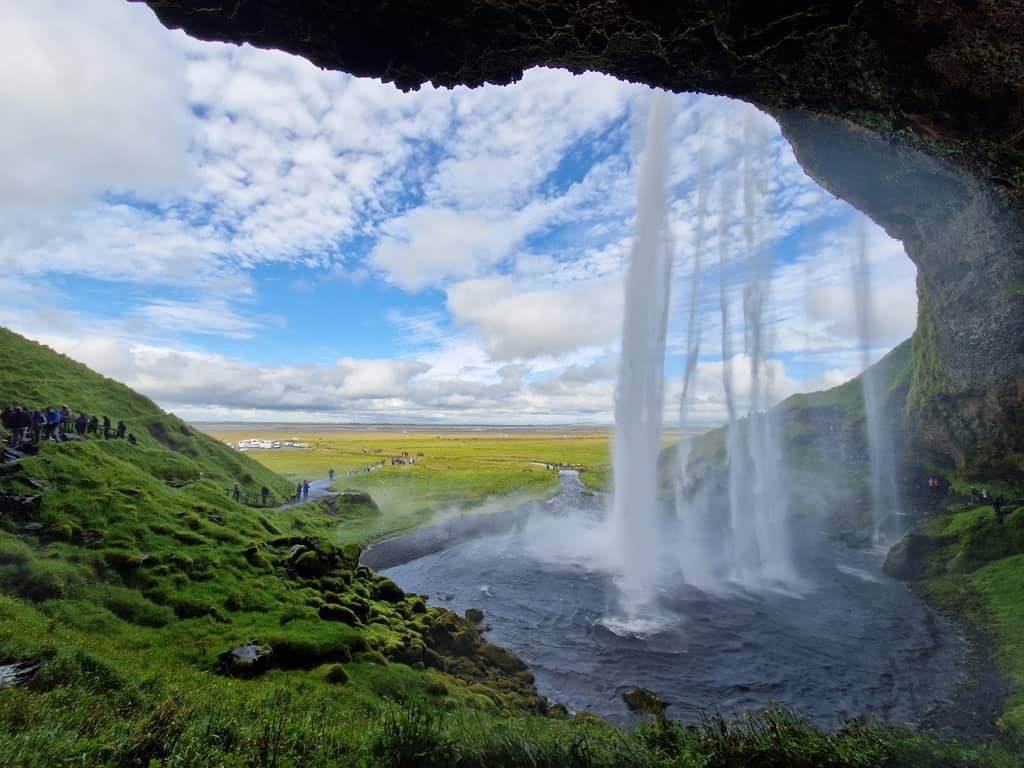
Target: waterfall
x,y
742,535
756,470
638,398
693,559
881,451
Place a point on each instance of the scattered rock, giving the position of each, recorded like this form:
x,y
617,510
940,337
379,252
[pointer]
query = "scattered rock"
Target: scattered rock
x,y
19,506
644,700
558,710
17,674
475,615
33,527
11,456
906,558
38,485
245,660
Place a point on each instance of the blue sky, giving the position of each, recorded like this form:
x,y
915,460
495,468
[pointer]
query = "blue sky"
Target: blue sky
x,y
240,235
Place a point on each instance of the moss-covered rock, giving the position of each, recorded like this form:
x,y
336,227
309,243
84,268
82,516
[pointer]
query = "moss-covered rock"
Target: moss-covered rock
x,y
334,612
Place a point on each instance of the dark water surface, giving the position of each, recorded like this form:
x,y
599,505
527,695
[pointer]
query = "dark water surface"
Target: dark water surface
x,y
855,642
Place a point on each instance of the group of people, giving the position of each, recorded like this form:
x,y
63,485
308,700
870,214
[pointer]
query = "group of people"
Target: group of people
x,y
250,497
33,425
302,490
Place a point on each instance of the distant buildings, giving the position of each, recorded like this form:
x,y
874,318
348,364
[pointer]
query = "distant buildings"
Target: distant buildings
x,y
261,444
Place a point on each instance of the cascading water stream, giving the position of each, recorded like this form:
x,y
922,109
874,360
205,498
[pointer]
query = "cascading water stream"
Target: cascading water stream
x,y
881,451
693,331
752,549
638,399
692,559
764,551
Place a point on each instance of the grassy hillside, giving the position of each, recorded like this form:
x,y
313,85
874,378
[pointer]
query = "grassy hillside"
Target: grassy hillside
x,y
126,583
36,376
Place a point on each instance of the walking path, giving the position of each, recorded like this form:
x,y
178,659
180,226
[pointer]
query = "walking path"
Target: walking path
x,y
317,489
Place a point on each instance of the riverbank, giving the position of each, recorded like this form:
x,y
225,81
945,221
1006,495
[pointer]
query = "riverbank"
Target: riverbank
x,y
971,566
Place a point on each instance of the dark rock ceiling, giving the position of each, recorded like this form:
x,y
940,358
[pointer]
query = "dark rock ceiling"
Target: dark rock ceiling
x,y
947,76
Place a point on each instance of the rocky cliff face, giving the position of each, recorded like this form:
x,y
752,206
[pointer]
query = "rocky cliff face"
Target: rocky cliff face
x,y
913,110
966,401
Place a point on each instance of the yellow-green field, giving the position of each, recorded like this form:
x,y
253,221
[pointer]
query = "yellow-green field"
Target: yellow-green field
x,y
453,471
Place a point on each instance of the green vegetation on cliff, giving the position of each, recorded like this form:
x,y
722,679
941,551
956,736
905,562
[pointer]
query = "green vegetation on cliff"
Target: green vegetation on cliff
x,y
972,565
162,623
927,378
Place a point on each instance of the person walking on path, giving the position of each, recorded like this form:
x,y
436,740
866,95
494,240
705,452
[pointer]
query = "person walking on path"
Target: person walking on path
x,y
65,420
330,474
106,427
298,491
264,492
121,429
94,426
81,423
305,489
236,492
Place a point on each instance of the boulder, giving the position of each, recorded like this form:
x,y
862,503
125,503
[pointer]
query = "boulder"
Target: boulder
x,y
310,564
475,615
17,674
19,506
335,612
906,559
385,589
558,711
245,660
644,700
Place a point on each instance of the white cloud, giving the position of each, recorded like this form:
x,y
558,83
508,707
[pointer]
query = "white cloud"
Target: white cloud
x,y
94,100
517,321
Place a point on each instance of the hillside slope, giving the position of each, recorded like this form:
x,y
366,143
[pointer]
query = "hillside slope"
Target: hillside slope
x,y
35,376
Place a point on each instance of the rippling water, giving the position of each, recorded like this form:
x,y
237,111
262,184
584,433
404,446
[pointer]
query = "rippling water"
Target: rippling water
x,y
856,643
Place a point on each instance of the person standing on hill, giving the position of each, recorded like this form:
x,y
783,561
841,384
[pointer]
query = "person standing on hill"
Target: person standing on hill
x,y
66,422
121,429
264,492
53,424
236,492
19,423
106,428
38,425
94,426
81,423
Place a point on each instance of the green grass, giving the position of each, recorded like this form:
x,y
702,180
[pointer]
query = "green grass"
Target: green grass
x,y
928,379
1001,585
